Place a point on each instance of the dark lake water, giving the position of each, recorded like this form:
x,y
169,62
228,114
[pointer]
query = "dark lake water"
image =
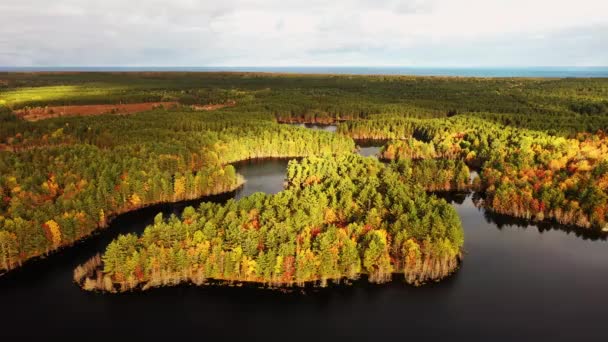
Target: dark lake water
x,y
517,282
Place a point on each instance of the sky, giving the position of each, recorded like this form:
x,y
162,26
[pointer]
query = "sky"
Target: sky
x,y
415,33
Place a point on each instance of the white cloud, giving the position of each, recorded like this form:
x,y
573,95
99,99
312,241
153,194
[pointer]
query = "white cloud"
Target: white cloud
x,y
314,32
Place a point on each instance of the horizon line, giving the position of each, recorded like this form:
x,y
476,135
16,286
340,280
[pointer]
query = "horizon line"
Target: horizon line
x,y
309,66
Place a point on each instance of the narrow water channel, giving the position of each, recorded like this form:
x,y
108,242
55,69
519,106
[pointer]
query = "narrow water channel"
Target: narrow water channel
x,y
317,126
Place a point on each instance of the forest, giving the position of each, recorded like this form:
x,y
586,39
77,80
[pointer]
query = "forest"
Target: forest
x,y
71,176
524,173
538,146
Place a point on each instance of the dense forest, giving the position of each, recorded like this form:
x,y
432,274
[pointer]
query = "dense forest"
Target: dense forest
x,y
338,218
537,144
67,177
572,104
524,173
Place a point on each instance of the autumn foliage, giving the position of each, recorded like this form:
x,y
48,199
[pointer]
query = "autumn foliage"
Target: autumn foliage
x,y
359,218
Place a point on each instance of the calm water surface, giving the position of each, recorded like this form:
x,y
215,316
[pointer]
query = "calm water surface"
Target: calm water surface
x,y
370,148
365,147
316,126
517,282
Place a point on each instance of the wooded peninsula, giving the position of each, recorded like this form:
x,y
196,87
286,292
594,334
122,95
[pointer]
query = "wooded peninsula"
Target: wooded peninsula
x,y
537,145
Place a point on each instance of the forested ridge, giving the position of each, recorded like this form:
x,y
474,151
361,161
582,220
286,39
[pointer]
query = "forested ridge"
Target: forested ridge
x,y
337,218
538,145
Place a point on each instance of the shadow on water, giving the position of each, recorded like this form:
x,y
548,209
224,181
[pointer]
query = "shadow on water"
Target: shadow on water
x,y
514,283
456,197
317,126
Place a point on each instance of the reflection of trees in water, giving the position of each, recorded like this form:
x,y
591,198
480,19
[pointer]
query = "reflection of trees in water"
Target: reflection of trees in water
x,y
311,292
368,148
371,142
501,221
317,126
452,197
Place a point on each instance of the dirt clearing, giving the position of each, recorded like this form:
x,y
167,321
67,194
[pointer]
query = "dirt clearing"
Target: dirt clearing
x,y
41,113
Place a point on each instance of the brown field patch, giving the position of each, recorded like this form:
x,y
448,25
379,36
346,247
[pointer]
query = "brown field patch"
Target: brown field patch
x,y
41,113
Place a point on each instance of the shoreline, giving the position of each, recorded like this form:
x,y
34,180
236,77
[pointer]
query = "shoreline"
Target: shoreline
x,y
548,222
241,182
110,218
89,277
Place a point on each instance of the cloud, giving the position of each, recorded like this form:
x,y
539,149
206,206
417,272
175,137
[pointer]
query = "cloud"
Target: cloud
x,y
314,32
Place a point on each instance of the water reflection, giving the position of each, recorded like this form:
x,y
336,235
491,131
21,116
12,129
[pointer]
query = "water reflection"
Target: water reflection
x,y
317,126
369,147
365,147
262,175
501,221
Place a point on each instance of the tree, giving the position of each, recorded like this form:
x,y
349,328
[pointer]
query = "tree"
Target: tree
x,y
53,232
376,259
8,250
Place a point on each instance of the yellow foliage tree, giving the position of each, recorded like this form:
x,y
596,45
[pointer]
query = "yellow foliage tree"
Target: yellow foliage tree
x,y
102,218
8,249
135,200
57,133
555,165
330,216
53,187
584,165
55,232
179,187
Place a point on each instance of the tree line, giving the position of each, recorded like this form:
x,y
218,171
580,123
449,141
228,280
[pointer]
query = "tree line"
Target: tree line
x,y
319,97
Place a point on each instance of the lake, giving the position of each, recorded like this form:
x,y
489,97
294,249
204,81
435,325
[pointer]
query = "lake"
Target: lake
x,y
517,282
369,148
